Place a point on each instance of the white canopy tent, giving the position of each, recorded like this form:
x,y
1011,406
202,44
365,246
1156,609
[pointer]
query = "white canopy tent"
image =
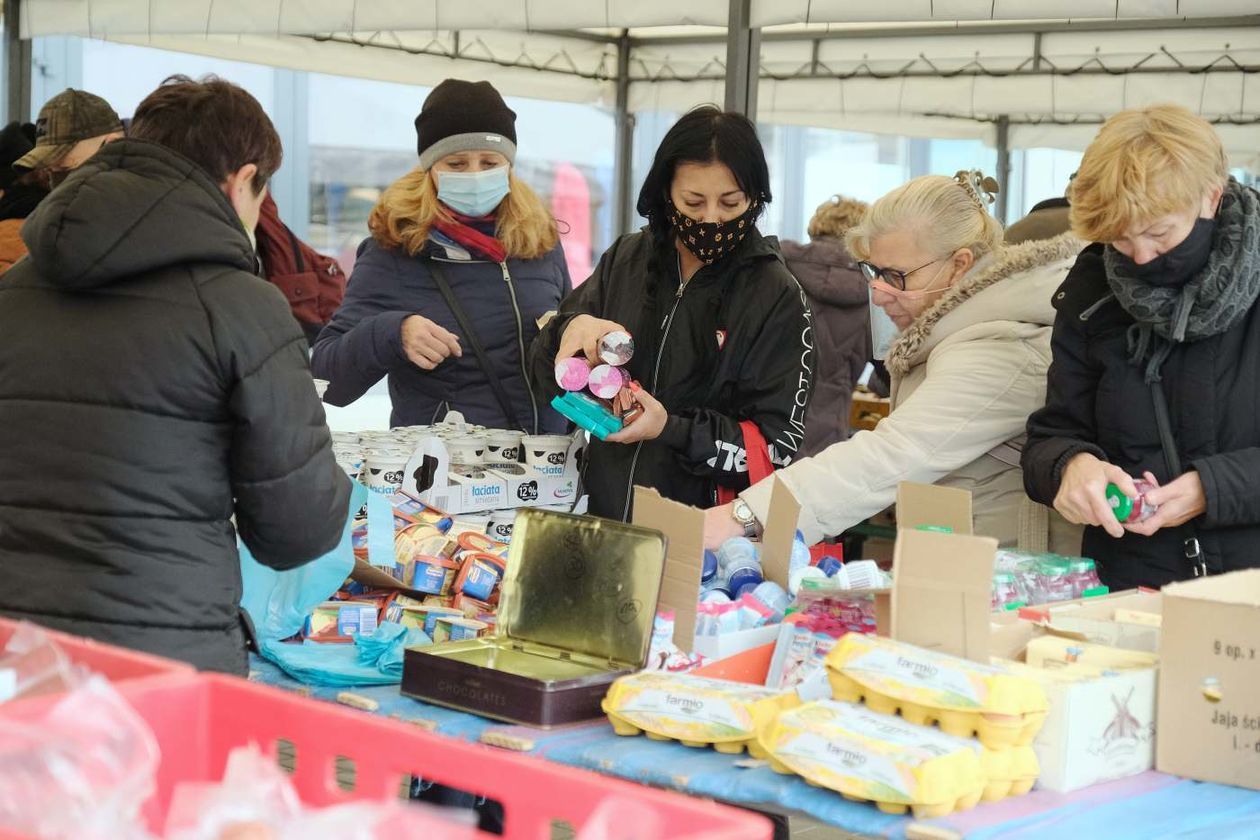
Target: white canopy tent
x,y
1013,73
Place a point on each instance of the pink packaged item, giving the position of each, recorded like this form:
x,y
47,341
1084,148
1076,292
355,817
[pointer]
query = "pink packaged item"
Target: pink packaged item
x,y
607,381
572,374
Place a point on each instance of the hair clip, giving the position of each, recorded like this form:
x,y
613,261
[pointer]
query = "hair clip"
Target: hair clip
x,y
982,188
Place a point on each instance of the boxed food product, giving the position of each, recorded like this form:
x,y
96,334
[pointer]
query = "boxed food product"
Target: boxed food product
x,y
1209,680
878,758
697,711
964,697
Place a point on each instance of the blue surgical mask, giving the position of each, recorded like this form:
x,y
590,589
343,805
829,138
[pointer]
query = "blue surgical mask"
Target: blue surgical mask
x,y
473,193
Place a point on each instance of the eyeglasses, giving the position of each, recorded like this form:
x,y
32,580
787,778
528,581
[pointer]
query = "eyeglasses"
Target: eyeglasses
x,y
891,276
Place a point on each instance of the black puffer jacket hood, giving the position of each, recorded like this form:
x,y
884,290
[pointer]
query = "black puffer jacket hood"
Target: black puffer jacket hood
x,y
82,236
155,401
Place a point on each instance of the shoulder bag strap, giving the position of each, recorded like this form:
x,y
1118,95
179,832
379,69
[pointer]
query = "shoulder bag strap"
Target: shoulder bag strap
x,y
1172,461
505,404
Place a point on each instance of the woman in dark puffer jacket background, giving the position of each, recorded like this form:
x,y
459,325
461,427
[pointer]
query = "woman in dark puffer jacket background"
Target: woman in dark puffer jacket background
x,y
1158,317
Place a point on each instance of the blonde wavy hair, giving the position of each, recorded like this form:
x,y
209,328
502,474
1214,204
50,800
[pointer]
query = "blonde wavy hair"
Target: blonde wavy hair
x,y
946,214
835,216
409,207
1145,163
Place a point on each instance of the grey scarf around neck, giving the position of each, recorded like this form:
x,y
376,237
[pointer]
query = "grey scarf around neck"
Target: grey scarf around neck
x,y
1212,302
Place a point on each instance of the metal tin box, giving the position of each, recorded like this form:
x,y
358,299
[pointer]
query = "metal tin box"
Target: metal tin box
x,y
578,601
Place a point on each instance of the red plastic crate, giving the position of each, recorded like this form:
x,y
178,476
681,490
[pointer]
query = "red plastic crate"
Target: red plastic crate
x,y
116,664
199,719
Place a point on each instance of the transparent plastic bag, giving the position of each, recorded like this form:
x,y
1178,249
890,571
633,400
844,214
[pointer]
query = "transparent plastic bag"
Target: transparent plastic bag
x,y
32,664
81,768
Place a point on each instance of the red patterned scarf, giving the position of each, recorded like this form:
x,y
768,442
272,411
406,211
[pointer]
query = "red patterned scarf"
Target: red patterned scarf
x,y
476,234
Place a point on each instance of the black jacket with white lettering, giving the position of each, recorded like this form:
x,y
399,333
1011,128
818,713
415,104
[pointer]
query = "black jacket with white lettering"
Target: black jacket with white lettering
x,y
733,345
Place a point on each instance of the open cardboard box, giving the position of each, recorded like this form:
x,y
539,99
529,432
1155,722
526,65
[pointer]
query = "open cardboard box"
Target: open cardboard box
x,y
1120,620
943,581
1209,682
1099,728
429,479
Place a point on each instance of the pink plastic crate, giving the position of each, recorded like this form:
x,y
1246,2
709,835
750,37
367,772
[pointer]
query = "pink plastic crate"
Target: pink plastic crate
x,y
198,719
116,664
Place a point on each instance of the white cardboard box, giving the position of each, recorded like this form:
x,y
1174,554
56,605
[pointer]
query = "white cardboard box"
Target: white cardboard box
x,y
729,644
429,479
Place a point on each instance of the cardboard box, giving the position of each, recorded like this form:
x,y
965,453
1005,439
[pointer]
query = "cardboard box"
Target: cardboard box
x,y
1101,621
429,479
714,648
1209,682
942,582
1101,726
683,527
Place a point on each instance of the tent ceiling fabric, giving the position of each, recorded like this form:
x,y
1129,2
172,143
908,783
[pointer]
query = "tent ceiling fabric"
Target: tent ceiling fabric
x,y
105,18
820,68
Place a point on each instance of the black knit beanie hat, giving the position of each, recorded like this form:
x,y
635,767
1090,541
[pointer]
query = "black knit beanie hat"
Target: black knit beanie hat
x,y
460,116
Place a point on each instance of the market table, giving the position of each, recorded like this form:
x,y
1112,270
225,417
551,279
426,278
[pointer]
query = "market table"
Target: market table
x,y
1150,805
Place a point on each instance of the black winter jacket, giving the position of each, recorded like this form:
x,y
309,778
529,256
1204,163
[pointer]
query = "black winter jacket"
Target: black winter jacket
x,y
151,387
1097,402
503,303
734,344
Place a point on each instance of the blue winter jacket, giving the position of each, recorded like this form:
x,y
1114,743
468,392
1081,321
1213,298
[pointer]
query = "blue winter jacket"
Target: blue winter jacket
x,y
363,342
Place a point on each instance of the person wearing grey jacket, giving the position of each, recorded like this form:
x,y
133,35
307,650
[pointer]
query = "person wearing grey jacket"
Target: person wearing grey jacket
x,y
840,302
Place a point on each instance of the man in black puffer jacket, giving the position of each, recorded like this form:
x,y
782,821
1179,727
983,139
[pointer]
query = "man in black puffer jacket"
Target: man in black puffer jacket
x,y
152,388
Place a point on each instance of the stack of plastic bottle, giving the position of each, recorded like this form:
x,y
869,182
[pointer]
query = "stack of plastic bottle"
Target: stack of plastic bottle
x,y
1026,579
734,594
591,411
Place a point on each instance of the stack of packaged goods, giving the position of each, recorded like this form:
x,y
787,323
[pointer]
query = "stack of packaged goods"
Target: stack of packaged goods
x,y
1024,579
1004,712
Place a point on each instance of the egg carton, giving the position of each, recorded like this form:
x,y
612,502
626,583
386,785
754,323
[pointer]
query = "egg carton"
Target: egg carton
x,y
1010,772
869,757
621,726
995,731
694,711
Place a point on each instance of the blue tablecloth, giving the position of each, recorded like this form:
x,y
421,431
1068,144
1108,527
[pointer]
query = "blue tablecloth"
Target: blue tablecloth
x,y
1150,805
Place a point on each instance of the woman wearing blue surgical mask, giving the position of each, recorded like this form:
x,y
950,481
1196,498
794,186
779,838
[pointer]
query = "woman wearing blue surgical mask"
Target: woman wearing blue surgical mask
x,y
968,365
447,292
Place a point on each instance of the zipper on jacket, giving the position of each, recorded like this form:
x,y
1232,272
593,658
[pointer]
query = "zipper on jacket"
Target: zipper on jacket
x,y
656,373
520,343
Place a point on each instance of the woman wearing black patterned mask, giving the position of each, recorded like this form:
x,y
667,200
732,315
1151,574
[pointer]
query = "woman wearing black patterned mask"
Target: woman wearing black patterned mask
x,y
1156,370
721,328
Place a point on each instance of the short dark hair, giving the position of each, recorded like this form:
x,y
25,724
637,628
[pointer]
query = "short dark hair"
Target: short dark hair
x,y
706,134
214,123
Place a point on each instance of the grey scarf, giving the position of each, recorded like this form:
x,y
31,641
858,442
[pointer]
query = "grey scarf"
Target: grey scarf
x,y
1212,302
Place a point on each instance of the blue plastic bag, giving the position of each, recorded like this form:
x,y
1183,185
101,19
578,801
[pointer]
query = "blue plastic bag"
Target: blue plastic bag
x,y
279,602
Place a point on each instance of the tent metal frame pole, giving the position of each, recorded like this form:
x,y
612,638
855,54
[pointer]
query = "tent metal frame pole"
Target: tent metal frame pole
x,y
17,53
1003,167
1008,28
743,60
623,153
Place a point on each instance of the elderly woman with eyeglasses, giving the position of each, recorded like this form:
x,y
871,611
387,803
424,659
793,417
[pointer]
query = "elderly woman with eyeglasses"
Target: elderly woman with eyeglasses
x,y
968,366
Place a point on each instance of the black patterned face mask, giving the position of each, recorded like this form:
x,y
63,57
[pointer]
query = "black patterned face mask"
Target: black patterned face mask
x,y
711,241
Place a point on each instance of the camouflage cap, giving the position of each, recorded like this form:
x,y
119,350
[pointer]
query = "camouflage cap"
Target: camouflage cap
x,y
68,118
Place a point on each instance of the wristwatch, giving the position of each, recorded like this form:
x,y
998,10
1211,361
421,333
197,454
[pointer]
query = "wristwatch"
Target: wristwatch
x,y
743,514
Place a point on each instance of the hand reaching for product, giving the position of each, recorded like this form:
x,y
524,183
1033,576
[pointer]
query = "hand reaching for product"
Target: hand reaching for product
x,y
720,526
426,344
1082,497
582,335
1177,502
650,422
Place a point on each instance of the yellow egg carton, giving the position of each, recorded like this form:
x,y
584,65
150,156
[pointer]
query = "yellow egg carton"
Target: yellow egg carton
x,y
870,757
963,697
1009,772
696,711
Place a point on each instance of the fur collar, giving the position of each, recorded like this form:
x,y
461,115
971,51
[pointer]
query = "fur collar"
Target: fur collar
x,y
1006,262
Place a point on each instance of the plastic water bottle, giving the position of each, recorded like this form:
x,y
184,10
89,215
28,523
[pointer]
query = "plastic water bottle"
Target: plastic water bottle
x,y
773,596
800,554
710,570
737,551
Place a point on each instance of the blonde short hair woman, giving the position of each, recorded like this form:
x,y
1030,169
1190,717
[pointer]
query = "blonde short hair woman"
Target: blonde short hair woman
x,y
446,294
968,365
1157,355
